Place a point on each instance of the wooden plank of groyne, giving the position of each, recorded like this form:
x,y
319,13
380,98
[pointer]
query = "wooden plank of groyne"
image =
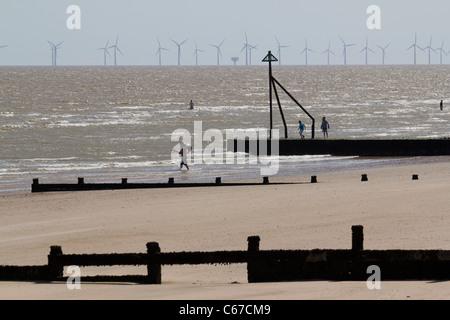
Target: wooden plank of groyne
x,y
53,187
350,147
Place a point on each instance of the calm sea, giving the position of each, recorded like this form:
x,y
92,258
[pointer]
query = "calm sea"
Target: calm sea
x,y
107,123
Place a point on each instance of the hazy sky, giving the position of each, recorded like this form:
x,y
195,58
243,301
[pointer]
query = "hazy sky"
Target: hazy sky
x,y
26,25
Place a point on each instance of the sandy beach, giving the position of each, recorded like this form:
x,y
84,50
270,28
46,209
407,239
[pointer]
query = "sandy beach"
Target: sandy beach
x,y
396,211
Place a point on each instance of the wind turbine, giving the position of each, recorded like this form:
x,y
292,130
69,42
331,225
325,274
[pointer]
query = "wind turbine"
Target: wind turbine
x,y
246,47
3,46
305,51
328,51
160,49
366,48
196,51
383,49
116,48
179,48
54,49
429,51
441,49
219,53
279,50
53,52
250,48
105,51
344,53
415,46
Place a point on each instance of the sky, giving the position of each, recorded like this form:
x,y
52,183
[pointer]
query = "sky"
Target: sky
x,y
26,26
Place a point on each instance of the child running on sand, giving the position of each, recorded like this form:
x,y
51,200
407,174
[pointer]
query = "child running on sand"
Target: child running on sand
x,y
184,150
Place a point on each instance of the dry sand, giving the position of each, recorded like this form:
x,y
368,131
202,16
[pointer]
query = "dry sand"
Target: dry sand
x,y
396,212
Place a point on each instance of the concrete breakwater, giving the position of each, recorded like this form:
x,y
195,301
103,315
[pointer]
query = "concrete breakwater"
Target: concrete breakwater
x,y
348,147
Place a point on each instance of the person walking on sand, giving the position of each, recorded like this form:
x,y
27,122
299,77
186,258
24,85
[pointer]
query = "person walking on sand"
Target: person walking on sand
x,y
325,126
191,105
184,150
301,128
442,105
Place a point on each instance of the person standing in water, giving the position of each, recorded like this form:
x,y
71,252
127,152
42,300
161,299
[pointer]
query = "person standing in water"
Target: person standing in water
x,y
442,105
301,128
191,105
325,126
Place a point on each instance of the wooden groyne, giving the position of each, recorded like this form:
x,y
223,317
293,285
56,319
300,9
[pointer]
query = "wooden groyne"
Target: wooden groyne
x,y
351,147
81,185
262,265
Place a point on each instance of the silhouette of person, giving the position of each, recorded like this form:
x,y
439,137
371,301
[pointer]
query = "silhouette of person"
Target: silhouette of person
x,y
184,150
325,126
441,105
191,105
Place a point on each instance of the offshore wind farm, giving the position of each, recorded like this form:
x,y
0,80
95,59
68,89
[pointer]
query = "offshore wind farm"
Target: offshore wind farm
x,y
427,53
255,25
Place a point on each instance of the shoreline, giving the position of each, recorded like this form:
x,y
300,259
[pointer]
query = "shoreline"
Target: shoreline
x,y
284,176
396,212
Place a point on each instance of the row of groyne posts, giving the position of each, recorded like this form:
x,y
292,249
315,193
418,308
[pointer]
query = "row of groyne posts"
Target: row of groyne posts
x,y
81,185
262,265
124,184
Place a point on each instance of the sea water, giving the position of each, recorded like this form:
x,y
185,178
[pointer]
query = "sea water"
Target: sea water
x,y
107,123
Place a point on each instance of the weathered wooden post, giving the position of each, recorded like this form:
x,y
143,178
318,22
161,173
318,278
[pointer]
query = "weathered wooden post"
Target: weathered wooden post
x,y
357,238
313,179
252,261
55,269
356,267
154,263
35,185
253,243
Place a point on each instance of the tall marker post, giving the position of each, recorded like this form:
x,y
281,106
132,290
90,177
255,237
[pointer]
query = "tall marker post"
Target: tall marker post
x,y
272,84
269,58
